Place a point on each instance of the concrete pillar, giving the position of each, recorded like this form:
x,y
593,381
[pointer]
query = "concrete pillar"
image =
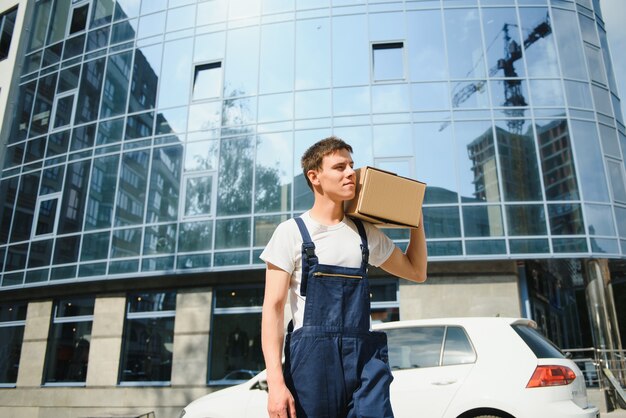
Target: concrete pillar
x,y
33,354
106,340
191,337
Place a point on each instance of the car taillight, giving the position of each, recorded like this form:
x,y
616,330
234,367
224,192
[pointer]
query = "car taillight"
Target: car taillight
x,y
551,376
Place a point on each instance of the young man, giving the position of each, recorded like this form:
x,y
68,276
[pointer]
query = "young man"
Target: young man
x,y
334,365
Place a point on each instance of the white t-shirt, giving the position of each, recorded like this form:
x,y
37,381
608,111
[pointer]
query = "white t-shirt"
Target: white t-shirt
x,y
338,245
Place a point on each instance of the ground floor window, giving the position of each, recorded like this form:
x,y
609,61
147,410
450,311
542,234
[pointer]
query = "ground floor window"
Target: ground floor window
x,y
235,345
12,322
67,357
148,339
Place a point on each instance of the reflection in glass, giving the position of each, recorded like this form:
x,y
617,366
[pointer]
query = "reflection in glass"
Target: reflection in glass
x,y
570,44
131,191
529,246
40,24
200,156
46,216
25,207
276,107
608,136
52,180
277,58
139,125
95,246
171,121
195,236
199,195
541,59
578,94
313,104
484,247
63,110
242,50
442,222
66,249
557,162
351,101
273,175
143,87
43,105
176,79
124,31
435,162
350,57
236,166
546,93
126,243
164,184
40,253
180,18
518,161
590,161
465,51
313,54
211,12
204,116
236,113
83,137
68,352
566,219
526,220
476,162
74,197
231,258
160,239
482,221
569,245
616,176
232,233
600,220
89,92
110,131
207,82
390,98
427,60
11,338
264,227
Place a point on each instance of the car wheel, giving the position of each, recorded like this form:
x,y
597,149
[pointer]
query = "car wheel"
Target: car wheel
x,y
487,416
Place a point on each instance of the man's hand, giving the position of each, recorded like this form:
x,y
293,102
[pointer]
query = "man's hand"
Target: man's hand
x,y
280,402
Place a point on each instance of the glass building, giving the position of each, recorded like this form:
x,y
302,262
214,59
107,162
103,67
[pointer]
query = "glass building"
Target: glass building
x,y
150,147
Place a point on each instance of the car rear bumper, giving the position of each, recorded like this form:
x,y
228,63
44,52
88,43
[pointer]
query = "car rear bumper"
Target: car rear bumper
x,y
567,409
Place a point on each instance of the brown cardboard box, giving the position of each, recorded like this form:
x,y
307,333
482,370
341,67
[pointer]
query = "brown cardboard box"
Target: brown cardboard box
x,y
386,199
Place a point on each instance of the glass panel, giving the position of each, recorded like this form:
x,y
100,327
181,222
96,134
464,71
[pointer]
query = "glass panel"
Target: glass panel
x,y
264,227
518,160
174,88
476,168
52,180
199,195
16,259
102,192
392,140
427,60
546,93
25,207
616,175
83,137
46,216
207,82
276,107
205,117
277,58
124,31
313,104
236,113
89,93
351,101
540,52
578,94
74,197
98,38
25,99
273,175
68,352
11,346
143,88
504,44
165,184
390,98
465,50
442,222
236,354
526,220
602,100
63,111
200,156
78,21
234,193
124,267
139,126
172,121
66,249
529,246
482,221
608,136
115,90
151,25
58,26
102,12
566,219
152,6
608,246
485,247
232,233
620,216
211,12
570,45
110,131
590,161
429,96
388,61
569,245
152,302
210,47
43,105
600,220
40,24
457,348
313,54
414,347
74,46
195,236
40,253
68,79
95,246
179,18
126,243
131,192
241,73
8,189
557,161
147,351
350,55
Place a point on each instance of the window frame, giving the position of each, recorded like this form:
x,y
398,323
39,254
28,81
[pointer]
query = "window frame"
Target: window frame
x,y
14,324
3,21
53,113
213,175
385,45
203,66
76,4
40,199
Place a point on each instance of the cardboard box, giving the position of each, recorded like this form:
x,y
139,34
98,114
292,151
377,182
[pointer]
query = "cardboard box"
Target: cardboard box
x,y
386,199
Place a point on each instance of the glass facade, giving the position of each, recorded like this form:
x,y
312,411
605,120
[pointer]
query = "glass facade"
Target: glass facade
x,y
164,137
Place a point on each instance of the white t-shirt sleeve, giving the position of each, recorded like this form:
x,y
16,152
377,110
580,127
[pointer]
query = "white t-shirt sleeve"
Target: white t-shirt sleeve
x,y
380,245
282,248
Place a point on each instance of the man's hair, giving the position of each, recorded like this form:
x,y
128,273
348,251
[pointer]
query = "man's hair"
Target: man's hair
x,y
312,157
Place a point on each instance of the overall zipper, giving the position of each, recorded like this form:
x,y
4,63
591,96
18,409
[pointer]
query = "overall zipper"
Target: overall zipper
x,y
347,276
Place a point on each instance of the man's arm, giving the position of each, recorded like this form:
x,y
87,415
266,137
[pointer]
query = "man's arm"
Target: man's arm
x,y
280,401
410,265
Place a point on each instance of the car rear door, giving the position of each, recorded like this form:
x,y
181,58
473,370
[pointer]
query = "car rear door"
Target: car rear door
x,y
429,365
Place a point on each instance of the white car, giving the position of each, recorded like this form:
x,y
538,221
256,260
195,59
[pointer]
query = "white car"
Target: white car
x,y
451,368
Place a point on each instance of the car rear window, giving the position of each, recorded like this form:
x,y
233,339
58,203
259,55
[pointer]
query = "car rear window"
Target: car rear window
x,y
540,345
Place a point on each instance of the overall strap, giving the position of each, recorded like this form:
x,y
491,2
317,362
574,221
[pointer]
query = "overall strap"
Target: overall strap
x,y
308,254
365,251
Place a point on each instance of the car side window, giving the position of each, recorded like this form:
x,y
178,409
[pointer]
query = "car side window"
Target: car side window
x,y
415,347
457,348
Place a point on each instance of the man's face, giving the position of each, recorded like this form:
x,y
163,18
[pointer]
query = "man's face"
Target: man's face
x,y
337,178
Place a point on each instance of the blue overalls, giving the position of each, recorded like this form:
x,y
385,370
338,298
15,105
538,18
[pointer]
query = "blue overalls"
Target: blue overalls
x,y
334,365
